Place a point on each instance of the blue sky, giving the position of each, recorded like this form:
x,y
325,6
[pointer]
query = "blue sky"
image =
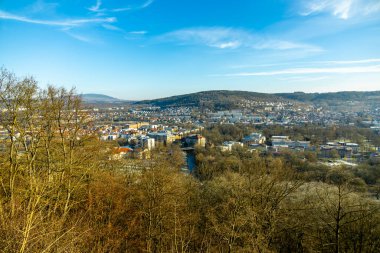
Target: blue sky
x,y
142,49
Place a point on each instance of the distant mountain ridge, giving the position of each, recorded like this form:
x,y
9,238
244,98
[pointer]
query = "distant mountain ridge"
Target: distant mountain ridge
x,y
214,99
226,99
340,95
99,98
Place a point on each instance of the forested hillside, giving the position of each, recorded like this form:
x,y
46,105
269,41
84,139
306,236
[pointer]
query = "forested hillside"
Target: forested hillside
x,y
218,99
227,100
332,96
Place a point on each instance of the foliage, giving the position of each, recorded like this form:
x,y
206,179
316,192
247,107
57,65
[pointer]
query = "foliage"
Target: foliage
x,y
60,192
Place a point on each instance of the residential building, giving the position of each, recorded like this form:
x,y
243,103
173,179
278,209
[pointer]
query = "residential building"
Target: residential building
x,y
254,138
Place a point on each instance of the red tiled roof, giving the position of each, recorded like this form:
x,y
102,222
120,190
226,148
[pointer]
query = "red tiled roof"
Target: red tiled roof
x,y
122,150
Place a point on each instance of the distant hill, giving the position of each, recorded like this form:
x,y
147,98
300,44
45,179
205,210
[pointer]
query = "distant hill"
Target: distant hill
x,y
99,98
332,96
226,100
216,99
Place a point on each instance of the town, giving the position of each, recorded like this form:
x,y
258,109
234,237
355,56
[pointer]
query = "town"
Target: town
x,y
137,129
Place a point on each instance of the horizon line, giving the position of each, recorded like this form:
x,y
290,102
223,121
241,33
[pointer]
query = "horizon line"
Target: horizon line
x,y
269,93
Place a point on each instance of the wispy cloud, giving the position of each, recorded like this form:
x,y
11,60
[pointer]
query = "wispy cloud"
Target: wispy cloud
x,y
343,9
147,4
63,23
229,38
96,7
126,33
75,34
112,27
218,37
102,11
306,63
340,8
285,45
79,37
364,61
121,9
138,32
308,71
303,79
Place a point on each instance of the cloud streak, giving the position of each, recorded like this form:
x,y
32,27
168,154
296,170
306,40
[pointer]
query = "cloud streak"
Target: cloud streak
x,y
308,71
62,23
112,27
303,79
343,9
307,63
79,37
96,7
147,4
102,11
138,32
229,38
364,61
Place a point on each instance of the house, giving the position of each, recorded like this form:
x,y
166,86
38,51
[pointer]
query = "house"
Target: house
x,y
299,144
135,125
228,145
286,142
164,137
353,146
147,143
280,141
339,148
254,138
109,137
121,152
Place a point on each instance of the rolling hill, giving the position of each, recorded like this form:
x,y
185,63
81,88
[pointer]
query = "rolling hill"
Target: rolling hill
x,y
332,96
216,99
92,98
225,99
